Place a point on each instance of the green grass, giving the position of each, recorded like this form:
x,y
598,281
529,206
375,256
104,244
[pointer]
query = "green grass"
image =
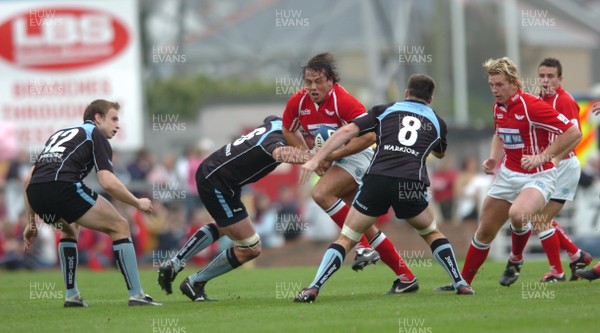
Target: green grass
x,y
259,300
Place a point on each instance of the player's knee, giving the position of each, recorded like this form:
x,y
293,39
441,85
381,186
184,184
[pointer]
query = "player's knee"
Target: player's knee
x,y
70,231
120,226
517,217
249,248
320,195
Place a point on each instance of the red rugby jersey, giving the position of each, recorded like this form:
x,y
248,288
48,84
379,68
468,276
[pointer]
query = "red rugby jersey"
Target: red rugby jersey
x,y
338,109
564,103
526,126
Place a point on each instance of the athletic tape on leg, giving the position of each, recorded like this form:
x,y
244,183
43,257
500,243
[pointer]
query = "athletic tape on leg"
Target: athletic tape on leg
x,y
353,235
248,243
428,230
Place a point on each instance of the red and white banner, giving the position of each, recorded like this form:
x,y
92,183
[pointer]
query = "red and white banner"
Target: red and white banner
x,y
58,56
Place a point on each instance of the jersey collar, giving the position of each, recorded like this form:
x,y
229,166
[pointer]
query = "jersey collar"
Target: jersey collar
x,y
558,90
512,100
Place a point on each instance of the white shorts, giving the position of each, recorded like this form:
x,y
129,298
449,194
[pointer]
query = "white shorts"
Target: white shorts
x,y
508,184
356,164
569,171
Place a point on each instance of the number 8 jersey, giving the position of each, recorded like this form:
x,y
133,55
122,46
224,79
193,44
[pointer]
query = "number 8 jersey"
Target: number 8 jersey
x,y
406,133
71,153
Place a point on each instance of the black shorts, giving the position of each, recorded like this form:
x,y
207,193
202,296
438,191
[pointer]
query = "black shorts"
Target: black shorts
x,y
378,193
226,208
55,200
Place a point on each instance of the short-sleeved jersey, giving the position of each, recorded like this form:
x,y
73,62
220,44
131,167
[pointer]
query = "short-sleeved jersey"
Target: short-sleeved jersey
x,y
526,126
244,160
337,109
406,133
71,153
564,103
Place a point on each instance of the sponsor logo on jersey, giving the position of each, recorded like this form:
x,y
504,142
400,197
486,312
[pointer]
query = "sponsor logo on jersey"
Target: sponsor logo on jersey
x,y
519,116
237,210
329,113
562,118
305,112
511,137
499,115
406,150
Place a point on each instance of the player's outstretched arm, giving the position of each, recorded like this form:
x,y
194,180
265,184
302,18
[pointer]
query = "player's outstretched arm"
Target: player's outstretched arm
x,y
355,145
292,155
342,135
113,186
294,139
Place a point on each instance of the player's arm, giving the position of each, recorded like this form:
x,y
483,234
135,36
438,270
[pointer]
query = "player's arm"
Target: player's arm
x,y
294,138
113,186
437,154
30,231
562,145
292,155
496,155
439,150
342,135
355,145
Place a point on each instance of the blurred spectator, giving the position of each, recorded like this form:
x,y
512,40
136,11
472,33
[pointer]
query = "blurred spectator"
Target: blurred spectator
x,y
265,221
174,231
15,175
95,249
442,186
140,166
187,167
165,172
470,186
318,224
119,169
288,217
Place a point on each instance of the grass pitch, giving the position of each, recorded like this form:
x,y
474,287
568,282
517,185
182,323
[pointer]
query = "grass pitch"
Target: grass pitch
x,y
260,300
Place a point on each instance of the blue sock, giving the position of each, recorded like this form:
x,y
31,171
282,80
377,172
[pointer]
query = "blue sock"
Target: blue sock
x,y
332,261
127,263
442,251
203,238
67,252
224,262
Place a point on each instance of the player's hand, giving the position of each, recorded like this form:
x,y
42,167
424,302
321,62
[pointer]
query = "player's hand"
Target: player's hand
x,y
145,205
488,166
29,236
306,170
323,167
596,109
530,162
556,162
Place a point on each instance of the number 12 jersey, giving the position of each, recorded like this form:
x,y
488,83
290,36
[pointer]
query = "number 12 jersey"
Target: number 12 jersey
x,y
71,153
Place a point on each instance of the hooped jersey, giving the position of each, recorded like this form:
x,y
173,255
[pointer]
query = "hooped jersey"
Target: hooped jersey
x,y
337,109
406,133
526,126
71,153
245,160
564,103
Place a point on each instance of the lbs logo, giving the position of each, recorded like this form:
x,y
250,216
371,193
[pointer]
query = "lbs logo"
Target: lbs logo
x,y
61,38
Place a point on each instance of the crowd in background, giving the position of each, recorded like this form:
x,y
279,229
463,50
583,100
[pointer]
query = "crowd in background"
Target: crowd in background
x,y
457,189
